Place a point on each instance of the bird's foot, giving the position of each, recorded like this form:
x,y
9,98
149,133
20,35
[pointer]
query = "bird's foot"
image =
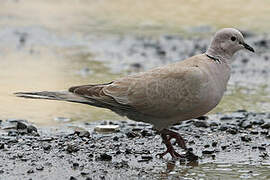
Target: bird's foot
x,y
172,152
167,135
188,155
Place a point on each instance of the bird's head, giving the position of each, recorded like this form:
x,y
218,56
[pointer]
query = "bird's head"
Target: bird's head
x,y
226,43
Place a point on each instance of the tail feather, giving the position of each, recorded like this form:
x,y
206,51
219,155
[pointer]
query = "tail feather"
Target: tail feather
x,y
59,95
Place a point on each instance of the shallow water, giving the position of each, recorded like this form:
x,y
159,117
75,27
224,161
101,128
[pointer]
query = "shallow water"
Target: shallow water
x,y
218,171
68,16
47,45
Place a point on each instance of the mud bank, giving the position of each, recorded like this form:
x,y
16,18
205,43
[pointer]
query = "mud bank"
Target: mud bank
x,y
231,145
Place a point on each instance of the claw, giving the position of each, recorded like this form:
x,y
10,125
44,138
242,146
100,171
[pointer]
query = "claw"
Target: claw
x,y
166,136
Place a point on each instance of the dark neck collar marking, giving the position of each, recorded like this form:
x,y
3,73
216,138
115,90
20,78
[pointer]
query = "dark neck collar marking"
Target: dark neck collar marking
x,y
214,58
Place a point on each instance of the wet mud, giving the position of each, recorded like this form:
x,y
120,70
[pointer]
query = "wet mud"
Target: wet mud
x,y
223,142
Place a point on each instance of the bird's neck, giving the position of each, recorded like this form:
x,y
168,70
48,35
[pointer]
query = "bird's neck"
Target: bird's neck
x,y
220,55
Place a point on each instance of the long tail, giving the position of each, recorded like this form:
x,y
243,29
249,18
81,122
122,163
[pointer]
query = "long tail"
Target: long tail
x,y
59,95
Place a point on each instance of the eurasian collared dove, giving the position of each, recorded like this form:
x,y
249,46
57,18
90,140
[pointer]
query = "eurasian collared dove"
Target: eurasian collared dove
x,y
165,95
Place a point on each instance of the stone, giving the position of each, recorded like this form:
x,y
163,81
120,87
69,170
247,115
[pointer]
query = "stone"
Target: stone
x,y
208,151
31,129
2,145
145,133
131,134
202,118
224,118
46,146
201,124
214,144
258,122
30,171
21,125
266,125
72,148
107,128
82,133
39,168
72,178
232,131
213,124
246,124
104,157
245,138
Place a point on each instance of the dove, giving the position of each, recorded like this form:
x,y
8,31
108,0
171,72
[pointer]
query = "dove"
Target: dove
x,y
165,95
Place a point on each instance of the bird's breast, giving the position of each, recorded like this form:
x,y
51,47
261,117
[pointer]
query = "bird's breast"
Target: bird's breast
x,y
218,74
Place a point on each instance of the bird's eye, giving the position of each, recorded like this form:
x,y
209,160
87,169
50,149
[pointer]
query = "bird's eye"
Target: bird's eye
x,y
233,38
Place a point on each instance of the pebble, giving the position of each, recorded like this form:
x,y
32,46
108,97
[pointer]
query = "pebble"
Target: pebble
x,y
72,178
145,133
2,145
214,144
31,129
258,122
201,124
39,168
84,173
82,133
12,133
202,118
224,118
213,124
223,127
107,128
48,139
209,151
147,157
30,171
264,132
72,148
261,148
245,138
254,132
131,134
46,146
245,124
223,147
75,164
266,125
232,131
104,157
21,125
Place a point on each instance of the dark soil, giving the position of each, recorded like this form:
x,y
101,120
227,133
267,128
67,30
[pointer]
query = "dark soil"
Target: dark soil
x,y
76,151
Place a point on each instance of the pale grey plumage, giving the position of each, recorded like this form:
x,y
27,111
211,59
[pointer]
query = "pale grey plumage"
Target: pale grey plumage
x,y
165,95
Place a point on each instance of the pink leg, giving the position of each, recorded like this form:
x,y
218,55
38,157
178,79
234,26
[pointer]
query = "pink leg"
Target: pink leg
x,y
166,136
170,149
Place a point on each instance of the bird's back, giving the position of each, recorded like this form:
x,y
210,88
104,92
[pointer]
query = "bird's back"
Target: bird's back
x,y
173,92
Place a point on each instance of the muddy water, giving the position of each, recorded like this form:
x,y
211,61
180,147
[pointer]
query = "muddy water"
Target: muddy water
x,y
128,15
41,71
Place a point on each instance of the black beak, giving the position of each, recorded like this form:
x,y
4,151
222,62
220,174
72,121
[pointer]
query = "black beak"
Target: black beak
x,y
248,47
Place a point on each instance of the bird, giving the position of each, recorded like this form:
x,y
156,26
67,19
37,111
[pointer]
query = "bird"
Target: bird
x,y
166,95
